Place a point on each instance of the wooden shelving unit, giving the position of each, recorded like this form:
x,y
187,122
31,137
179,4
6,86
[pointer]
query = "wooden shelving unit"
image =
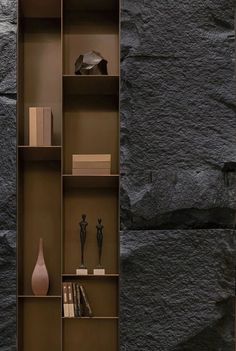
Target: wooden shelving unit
x,y
51,200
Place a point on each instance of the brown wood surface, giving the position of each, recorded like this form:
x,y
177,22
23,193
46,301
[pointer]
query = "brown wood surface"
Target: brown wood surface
x,y
90,334
51,36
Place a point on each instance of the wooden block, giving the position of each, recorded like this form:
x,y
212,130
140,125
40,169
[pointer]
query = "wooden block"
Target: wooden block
x,y
87,172
47,126
90,165
92,158
81,271
99,271
32,127
39,125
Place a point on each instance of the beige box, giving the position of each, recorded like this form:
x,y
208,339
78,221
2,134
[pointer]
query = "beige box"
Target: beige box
x,y
91,164
92,171
40,126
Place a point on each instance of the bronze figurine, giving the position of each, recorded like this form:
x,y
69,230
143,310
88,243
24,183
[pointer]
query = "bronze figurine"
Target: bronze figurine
x,y
83,232
100,228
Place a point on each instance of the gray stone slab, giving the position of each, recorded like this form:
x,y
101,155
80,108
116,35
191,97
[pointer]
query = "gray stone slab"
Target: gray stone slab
x,y
198,198
8,57
8,11
7,163
7,290
190,29
177,290
177,114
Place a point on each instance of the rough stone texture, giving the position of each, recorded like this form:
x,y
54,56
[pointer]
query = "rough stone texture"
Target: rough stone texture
x,y
177,290
7,290
8,175
8,163
196,198
178,117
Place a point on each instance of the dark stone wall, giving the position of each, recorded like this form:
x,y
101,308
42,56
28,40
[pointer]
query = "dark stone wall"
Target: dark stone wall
x,y
178,129
8,22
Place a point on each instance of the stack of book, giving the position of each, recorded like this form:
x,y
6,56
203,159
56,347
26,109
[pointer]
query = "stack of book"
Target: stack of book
x,y
91,164
40,126
75,301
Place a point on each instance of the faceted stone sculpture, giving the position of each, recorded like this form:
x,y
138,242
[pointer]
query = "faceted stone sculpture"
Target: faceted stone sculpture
x,y
40,278
91,63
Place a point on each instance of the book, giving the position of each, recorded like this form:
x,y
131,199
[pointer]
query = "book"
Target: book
x,y
91,171
79,312
75,299
87,311
65,300
70,300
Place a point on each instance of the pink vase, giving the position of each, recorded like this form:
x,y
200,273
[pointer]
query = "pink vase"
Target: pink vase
x,y
40,278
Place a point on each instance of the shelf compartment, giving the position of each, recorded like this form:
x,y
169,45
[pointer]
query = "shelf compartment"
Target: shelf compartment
x,y
96,121
92,334
39,153
96,203
41,67
39,324
84,31
40,9
100,181
91,5
90,85
39,216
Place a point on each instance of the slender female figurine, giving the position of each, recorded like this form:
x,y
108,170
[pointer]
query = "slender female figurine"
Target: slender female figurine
x,y
99,240
83,232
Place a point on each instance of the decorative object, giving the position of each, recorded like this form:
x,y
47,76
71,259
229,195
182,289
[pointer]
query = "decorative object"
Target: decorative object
x,y
40,278
99,270
91,63
40,126
83,233
98,164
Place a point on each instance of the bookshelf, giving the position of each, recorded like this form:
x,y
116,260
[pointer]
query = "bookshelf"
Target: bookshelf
x,y
50,199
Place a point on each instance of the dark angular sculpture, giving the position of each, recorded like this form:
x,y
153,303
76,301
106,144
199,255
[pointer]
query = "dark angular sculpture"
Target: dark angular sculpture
x,y
83,232
100,228
91,63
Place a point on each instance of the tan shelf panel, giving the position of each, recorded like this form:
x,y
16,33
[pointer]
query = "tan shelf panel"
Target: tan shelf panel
x,y
91,5
39,153
99,181
91,85
35,8
78,318
39,297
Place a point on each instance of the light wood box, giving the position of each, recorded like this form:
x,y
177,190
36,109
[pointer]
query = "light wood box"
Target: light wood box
x,y
91,164
40,126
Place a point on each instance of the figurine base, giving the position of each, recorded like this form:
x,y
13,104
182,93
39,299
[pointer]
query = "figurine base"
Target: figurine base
x,y
99,271
81,271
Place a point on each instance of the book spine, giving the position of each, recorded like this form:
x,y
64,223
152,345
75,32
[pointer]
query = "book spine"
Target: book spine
x,y
39,125
74,299
88,310
65,300
70,300
79,312
47,126
32,126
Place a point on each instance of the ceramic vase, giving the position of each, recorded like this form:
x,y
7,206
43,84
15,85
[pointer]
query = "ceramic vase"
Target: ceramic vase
x,y
40,278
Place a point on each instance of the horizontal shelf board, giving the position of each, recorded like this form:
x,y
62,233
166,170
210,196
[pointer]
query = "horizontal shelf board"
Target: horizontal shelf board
x,y
41,9
90,276
91,5
90,85
39,297
93,181
81,318
39,153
